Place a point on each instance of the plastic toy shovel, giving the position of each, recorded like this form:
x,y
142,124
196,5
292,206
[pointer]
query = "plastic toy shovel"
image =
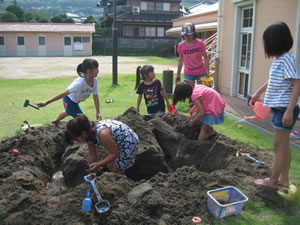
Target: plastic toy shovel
x,y
87,202
26,103
261,112
247,155
102,205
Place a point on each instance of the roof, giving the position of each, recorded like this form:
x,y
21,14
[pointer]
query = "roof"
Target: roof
x,y
148,16
204,10
199,27
47,27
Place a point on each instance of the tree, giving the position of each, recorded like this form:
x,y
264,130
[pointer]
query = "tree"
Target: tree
x,y
90,19
9,17
17,10
68,20
28,16
43,20
57,19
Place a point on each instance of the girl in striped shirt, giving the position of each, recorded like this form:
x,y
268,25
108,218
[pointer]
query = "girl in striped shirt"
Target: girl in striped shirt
x,y
282,92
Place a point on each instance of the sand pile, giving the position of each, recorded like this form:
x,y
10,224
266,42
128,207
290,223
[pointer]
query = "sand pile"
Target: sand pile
x,y
167,185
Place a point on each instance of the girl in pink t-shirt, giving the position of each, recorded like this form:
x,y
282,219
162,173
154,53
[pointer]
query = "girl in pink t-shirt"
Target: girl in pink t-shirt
x,y
207,104
191,52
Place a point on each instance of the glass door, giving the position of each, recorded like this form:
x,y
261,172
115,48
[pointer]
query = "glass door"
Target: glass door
x,y
245,52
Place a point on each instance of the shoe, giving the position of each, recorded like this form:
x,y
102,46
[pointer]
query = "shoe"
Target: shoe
x,y
294,135
296,132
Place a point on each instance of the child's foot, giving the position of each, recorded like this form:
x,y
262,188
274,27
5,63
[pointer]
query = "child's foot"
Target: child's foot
x,y
283,183
55,122
265,182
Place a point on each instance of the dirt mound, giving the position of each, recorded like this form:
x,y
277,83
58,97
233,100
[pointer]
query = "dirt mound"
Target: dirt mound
x,y
167,185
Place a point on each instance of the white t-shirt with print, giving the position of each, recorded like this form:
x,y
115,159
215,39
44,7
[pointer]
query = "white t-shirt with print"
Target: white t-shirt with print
x,y
80,90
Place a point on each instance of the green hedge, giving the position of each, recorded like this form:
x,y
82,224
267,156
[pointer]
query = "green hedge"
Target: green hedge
x,y
169,51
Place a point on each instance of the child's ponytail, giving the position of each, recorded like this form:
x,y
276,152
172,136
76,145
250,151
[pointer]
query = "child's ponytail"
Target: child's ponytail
x,y
80,70
138,77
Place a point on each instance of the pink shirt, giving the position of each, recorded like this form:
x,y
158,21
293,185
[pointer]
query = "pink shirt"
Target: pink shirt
x,y
192,57
210,99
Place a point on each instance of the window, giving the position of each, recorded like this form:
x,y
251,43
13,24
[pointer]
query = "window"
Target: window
x,y
141,31
85,39
21,40
247,17
67,40
159,6
81,39
77,39
150,31
245,51
160,32
166,6
143,5
150,6
1,40
42,40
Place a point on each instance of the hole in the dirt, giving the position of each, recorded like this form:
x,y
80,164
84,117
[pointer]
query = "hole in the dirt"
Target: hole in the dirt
x,y
56,185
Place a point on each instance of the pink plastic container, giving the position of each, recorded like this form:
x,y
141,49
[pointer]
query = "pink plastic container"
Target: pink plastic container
x,y
261,112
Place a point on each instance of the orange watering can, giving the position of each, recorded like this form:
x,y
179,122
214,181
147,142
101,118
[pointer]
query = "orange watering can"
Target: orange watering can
x,y
261,112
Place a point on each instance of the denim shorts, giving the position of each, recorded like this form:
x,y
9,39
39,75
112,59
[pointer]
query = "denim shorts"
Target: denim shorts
x,y
210,119
192,78
72,108
277,117
157,113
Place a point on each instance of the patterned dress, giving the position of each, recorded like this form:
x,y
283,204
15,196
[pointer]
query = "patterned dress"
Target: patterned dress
x,y
126,139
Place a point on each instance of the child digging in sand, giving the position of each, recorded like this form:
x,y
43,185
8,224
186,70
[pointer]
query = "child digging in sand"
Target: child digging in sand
x,y
78,91
209,106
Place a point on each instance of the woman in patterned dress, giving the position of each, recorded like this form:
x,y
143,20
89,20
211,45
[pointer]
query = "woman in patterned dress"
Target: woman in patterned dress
x,y
115,136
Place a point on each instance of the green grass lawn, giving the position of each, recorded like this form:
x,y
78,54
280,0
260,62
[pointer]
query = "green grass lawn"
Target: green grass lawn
x,y
12,114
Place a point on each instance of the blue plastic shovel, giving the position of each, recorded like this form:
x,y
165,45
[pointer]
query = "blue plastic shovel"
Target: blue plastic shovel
x,y
87,202
102,205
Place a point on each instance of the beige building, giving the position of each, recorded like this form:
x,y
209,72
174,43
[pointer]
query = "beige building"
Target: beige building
x,y
205,21
243,66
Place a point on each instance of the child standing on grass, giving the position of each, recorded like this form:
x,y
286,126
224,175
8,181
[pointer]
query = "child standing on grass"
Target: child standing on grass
x,y
151,88
282,92
78,91
209,103
191,52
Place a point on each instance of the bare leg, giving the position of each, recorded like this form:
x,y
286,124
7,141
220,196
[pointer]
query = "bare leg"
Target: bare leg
x,y
284,173
112,167
281,162
203,132
60,117
211,132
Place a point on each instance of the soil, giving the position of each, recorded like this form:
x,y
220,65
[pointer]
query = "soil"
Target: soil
x,y
167,185
52,67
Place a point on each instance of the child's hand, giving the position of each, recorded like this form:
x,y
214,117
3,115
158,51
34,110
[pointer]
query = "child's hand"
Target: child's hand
x,y
254,99
41,104
93,166
287,119
177,78
191,123
98,116
169,106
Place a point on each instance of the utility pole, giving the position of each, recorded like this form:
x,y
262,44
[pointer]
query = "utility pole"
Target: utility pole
x,y
115,45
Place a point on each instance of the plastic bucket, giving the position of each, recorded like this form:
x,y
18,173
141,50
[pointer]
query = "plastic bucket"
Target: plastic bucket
x,y
207,81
